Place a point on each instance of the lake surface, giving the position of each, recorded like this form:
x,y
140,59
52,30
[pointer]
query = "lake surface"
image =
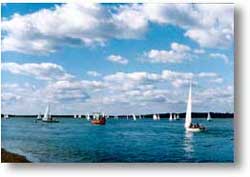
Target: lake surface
x,y
144,140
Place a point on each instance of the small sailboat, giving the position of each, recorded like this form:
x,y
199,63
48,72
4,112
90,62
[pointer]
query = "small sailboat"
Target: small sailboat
x,y
87,117
188,120
158,117
75,116
177,117
170,117
39,117
209,117
134,117
6,116
155,117
47,116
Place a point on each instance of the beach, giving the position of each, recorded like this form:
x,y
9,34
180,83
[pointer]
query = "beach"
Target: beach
x,y
8,157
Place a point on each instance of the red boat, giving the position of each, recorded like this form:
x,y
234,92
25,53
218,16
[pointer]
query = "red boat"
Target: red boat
x,y
98,119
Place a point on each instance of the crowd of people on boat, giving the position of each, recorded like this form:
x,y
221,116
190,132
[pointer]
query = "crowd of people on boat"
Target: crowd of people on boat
x,y
196,126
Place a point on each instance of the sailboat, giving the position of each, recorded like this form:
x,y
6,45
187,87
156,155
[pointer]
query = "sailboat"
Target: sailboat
x,y
209,117
155,117
134,117
170,117
177,117
47,116
39,117
6,116
188,120
87,117
158,117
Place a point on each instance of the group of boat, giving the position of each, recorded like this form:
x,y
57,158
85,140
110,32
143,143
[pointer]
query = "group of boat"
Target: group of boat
x,y
100,118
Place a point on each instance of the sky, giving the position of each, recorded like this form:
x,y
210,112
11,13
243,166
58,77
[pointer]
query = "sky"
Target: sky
x,y
116,58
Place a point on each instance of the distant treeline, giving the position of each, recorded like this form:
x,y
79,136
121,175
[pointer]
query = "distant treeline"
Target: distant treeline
x,y
150,116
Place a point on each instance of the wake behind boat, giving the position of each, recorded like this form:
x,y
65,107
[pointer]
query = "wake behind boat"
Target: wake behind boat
x,y
188,120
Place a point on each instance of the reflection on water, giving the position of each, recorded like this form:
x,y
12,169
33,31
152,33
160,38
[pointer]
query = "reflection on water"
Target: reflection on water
x,y
188,144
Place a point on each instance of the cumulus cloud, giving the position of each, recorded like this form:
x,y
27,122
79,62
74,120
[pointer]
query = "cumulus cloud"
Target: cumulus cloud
x,y
77,24
43,71
117,59
176,54
127,81
220,56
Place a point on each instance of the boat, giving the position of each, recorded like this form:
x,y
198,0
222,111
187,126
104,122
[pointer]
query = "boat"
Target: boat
x,y
170,117
209,117
158,117
47,116
155,117
98,119
188,120
134,117
6,116
39,117
87,117
177,117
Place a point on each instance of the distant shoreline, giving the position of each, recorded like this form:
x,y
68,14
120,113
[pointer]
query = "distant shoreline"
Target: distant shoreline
x,y
9,157
149,116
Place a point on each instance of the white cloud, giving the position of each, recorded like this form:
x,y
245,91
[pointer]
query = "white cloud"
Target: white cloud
x,y
199,51
204,23
86,24
220,56
43,71
117,59
93,73
177,54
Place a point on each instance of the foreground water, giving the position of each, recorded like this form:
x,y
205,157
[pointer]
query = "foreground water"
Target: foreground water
x,y
145,140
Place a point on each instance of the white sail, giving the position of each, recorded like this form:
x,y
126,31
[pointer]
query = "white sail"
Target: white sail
x,y
177,117
158,117
6,116
170,117
88,117
134,117
39,117
46,114
209,117
188,119
155,117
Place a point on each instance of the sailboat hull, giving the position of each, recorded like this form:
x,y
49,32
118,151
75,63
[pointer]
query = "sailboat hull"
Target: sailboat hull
x,y
195,129
50,121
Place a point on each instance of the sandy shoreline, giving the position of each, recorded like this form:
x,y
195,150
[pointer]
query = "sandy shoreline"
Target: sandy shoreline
x,y
9,157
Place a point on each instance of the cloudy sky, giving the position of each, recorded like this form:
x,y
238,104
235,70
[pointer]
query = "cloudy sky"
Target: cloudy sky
x,y
116,58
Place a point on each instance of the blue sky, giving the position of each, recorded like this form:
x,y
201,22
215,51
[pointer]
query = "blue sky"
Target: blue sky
x,y
116,58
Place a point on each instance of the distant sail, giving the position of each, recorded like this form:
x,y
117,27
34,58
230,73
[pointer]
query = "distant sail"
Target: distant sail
x,y
209,117
88,117
188,119
134,117
177,117
170,117
155,117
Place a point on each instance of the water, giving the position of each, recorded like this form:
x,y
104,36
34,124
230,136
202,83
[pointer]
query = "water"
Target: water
x,y
145,140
